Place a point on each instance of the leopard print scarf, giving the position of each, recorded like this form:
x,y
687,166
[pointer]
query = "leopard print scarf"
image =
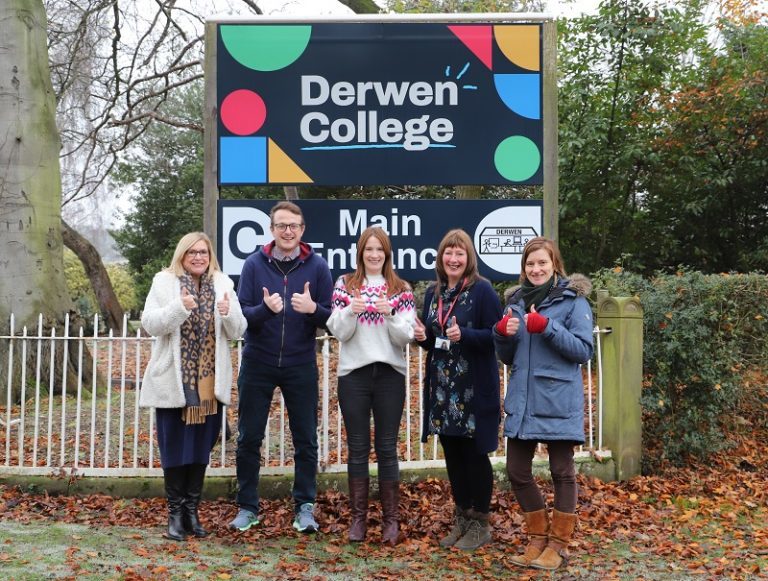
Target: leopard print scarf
x,y
198,352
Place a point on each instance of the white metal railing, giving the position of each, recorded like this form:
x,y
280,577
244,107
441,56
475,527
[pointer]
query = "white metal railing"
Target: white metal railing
x,y
92,424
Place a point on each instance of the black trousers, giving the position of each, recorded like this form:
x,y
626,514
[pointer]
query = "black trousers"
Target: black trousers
x,y
470,473
376,389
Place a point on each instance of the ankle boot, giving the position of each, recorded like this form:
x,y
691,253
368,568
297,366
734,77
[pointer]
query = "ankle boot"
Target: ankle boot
x,y
458,528
537,523
175,484
358,508
389,491
478,532
560,533
195,479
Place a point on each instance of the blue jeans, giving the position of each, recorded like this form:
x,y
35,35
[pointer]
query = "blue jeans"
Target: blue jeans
x,y
256,385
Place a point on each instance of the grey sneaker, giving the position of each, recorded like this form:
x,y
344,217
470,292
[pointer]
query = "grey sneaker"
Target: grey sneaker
x,y
305,522
244,520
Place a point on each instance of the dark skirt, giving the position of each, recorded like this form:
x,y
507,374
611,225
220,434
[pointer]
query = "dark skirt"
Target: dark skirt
x,y
182,444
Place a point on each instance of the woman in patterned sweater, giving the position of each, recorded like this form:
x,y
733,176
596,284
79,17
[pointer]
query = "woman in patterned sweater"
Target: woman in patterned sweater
x,y
373,314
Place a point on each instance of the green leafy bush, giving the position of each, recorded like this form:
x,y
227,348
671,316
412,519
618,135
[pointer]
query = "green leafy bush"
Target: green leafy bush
x,y
80,290
701,332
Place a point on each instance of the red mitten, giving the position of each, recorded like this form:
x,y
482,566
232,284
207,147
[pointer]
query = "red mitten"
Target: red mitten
x,y
501,326
536,323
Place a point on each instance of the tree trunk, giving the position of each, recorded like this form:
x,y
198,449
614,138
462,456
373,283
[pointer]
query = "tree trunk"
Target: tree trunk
x,y
468,192
361,6
109,306
291,192
32,260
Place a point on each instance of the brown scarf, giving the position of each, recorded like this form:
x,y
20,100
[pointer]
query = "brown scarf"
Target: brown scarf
x,y
198,353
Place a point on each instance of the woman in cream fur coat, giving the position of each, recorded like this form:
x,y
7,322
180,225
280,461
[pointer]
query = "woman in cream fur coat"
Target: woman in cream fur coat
x,y
193,313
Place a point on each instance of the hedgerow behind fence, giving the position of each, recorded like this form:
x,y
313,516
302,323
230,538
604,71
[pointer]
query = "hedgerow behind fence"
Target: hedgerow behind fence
x,y
702,332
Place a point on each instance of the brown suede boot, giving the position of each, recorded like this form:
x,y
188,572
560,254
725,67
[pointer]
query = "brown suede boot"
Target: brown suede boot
x,y
560,533
478,532
389,491
537,523
458,528
358,507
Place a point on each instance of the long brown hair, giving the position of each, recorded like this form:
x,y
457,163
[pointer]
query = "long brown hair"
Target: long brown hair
x,y
550,246
354,280
453,239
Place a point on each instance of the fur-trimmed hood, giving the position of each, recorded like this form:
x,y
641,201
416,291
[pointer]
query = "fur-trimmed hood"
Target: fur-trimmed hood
x,y
578,283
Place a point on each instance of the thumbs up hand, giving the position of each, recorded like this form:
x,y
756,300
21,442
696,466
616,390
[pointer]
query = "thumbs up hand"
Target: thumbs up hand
x,y
273,301
358,303
419,330
302,302
453,332
509,324
188,300
223,305
382,305
534,322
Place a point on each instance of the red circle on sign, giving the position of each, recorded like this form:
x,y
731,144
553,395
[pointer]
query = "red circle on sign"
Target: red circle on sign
x,y
243,112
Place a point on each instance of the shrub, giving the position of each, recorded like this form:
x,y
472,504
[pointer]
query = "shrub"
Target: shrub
x,y
701,332
80,290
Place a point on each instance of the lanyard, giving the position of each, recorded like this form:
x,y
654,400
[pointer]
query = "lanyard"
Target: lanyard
x,y
440,320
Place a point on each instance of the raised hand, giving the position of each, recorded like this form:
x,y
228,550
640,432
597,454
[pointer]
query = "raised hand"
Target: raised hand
x,y
358,303
188,300
223,305
534,322
382,306
453,332
509,324
302,302
273,301
419,330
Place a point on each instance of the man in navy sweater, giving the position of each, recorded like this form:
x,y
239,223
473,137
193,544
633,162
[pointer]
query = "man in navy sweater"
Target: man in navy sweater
x,y
285,293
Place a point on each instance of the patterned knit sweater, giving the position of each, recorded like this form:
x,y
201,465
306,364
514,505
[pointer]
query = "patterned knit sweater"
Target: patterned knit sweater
x,y
371,337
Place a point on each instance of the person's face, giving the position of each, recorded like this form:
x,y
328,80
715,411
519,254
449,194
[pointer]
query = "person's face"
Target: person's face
x,y
539,267
454,263
287,229
373,256
196,259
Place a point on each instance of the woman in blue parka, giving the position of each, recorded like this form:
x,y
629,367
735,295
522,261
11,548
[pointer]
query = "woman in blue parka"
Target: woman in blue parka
x,y
545,336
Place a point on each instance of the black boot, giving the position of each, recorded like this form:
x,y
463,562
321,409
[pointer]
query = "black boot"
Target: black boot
x,y
175,485
195,479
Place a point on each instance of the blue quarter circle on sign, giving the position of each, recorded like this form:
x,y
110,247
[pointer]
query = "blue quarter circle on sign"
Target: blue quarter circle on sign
x,y
520,93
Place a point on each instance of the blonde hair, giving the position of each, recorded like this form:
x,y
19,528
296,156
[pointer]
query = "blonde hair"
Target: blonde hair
x,y
188,241
458,238
354,280
550,246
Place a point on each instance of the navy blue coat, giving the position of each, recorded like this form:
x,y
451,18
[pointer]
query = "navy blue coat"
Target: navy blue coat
x,y
545,392
476,320
286,338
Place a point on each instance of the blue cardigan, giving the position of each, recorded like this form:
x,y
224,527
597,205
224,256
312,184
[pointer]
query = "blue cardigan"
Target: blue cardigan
x,y
476,320
545,393
286,338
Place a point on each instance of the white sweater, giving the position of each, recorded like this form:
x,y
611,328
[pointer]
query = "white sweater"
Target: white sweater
x,y
371,337
162,317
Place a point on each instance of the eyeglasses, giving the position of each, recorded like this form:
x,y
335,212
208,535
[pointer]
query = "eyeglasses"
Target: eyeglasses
x,y
283,227
193,253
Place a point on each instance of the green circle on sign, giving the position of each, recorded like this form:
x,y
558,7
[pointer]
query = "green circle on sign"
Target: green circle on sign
x,y
517,158
264,47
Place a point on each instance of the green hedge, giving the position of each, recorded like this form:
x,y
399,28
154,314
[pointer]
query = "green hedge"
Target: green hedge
x,y
701,333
